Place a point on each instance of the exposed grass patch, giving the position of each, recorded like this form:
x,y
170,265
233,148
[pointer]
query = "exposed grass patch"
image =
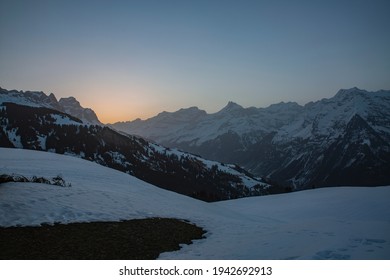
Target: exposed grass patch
x,y
132,239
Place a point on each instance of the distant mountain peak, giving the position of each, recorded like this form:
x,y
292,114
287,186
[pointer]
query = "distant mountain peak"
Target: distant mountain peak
x,y
52,96
321,143
182,114
68,105
284,106
231,106
68,99
73,107
192,109
354,90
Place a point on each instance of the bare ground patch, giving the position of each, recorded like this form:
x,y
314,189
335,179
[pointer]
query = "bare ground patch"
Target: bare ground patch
x,y
131,239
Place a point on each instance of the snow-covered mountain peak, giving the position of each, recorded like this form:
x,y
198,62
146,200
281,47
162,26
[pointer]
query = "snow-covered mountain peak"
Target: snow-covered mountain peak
x,y
71,106
289,142
29,98
69,101
359,97
230,107
191,112
283,106
329,116
181,116
354,90
52,97
68,105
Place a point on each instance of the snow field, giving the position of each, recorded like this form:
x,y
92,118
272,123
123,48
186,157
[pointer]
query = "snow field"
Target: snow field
x,y
328,223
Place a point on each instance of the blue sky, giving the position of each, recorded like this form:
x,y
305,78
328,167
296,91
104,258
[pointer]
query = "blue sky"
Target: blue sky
x,y
129,59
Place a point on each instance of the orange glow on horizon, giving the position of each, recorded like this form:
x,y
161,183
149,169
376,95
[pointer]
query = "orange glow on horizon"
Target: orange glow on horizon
x,y
113,117
111,111
118,104
112,114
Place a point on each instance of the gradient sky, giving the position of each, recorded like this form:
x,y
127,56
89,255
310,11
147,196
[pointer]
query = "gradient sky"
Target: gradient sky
x,y
129,59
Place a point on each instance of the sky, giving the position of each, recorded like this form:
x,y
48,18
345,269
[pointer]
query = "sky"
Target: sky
x,y
134,59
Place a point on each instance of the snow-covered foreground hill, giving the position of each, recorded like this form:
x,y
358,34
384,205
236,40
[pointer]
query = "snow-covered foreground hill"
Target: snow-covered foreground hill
x,y
329,223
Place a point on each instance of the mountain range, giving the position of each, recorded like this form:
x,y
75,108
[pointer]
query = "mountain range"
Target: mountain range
x,y
39,99
343,140
34,120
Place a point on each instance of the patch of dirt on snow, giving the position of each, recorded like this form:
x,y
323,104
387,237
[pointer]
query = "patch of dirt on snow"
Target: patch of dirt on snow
x,y
124,240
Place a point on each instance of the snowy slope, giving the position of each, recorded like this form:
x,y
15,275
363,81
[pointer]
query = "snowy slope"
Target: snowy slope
x,y
97,192
33,120
332,223
50,130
